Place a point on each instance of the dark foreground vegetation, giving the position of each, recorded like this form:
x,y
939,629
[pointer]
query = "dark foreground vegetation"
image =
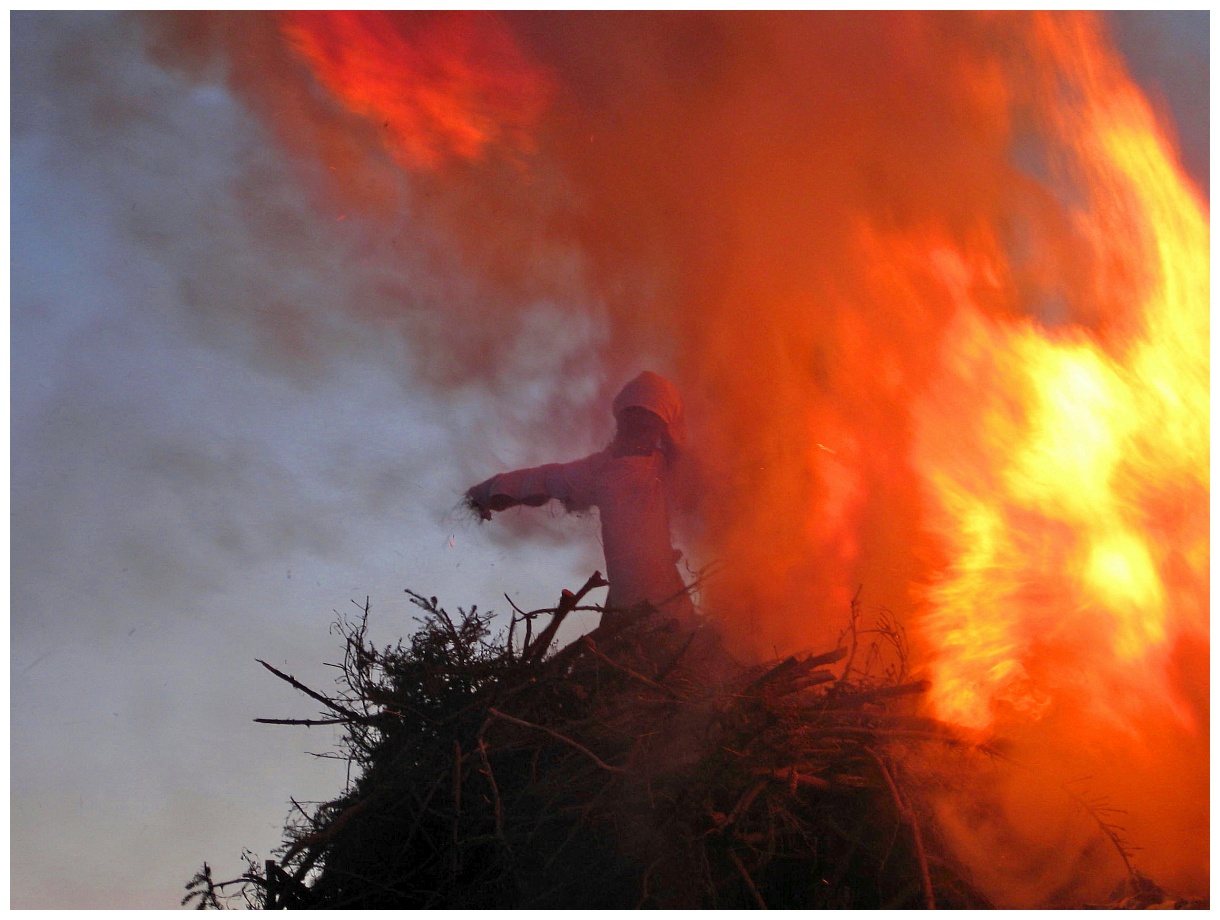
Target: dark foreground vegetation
x,y
639,767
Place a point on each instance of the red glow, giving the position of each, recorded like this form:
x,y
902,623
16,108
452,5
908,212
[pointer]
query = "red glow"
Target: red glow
x,y
441,86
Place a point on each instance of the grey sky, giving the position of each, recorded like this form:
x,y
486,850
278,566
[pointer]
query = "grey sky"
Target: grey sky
x,y
186,496
189,494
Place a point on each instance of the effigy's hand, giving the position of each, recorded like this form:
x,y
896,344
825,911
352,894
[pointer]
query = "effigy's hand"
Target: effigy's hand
x,y
483,501
478,500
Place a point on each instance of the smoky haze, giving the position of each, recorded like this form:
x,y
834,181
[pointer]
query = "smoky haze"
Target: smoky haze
x,y
695,201
281,285
695,196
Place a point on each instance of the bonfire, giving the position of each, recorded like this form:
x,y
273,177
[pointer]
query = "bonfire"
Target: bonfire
x,y
938,287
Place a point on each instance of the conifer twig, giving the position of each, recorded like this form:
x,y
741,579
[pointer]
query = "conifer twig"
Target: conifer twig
x,y
328,832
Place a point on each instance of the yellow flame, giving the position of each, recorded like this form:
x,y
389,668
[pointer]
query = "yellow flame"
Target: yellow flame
x,y
1070,487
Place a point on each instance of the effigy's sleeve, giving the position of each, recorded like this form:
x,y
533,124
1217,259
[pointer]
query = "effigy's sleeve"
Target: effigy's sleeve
x,y
571,483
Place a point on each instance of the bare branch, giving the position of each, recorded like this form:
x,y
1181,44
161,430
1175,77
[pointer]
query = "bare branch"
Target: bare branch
x,y
317,696
907,815
554,734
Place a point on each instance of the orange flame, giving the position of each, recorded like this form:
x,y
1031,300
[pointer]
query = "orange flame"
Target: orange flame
x,y
442,86
1067,470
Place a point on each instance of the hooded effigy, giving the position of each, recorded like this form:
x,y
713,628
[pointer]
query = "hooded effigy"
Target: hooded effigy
x,y
656,394
632,494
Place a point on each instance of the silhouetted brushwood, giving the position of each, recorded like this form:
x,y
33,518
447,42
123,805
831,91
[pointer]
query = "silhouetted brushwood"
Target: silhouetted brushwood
x,y
640,766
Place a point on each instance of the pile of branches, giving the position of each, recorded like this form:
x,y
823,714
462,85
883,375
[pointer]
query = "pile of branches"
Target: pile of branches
x,y
640,766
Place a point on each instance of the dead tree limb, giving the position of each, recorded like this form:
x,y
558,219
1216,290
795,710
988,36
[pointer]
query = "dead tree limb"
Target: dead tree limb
x,y
329,703
745,876
554,734
592,646
495,794
882,693
567,603
907,815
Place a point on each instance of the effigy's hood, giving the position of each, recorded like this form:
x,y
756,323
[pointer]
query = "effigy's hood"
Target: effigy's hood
x,y
656,394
